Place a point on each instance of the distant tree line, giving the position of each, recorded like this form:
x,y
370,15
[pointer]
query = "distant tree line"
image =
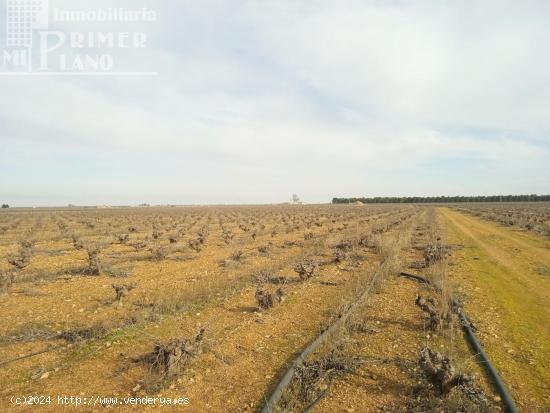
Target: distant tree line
x,y
442,199
5,206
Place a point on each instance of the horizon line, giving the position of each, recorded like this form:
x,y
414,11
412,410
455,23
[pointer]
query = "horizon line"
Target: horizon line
x,y
290,202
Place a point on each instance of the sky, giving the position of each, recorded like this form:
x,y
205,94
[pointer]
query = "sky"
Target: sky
x,y
257,100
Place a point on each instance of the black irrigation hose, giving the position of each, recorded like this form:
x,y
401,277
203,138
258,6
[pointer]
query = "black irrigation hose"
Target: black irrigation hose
x,y
315,402
287,378
5,363
415,277
499,384
507,399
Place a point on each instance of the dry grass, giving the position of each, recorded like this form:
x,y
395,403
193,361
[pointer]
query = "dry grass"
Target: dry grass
x,y
181,285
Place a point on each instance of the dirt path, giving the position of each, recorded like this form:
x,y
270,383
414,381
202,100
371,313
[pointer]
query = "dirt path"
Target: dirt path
x,y
501,274
391,380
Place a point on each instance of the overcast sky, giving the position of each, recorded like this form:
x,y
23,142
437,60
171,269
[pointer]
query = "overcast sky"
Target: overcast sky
x,y
257,100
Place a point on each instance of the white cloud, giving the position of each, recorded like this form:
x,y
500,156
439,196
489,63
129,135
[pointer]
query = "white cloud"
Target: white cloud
x,y
325,98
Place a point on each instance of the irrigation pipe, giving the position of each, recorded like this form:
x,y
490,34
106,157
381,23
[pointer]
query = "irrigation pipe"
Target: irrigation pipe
x,y
287,378
5,363
507,399
315,402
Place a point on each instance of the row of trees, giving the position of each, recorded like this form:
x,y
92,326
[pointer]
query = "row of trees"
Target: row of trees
x,y
442,199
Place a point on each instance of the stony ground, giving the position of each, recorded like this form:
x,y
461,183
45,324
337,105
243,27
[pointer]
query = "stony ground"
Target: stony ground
x,y
498,272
